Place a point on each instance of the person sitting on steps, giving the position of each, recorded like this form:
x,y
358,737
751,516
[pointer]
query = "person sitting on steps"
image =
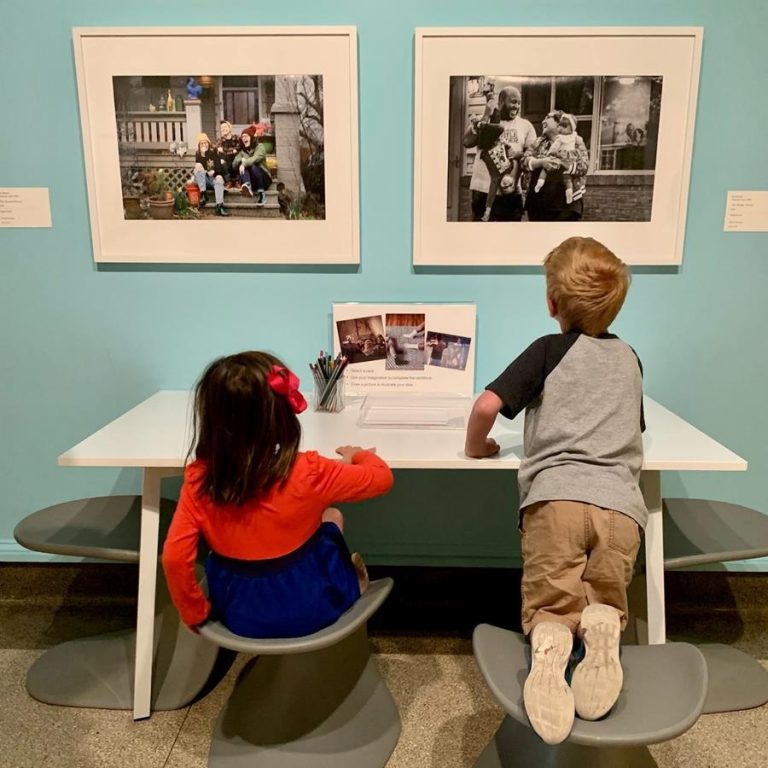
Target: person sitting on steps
x,y
250,162
210,168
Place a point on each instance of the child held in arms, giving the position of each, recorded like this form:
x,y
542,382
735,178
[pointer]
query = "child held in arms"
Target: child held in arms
x,y
279,566
581,509
563,148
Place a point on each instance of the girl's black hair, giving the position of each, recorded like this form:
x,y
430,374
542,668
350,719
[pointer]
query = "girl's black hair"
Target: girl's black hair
x,y
247,435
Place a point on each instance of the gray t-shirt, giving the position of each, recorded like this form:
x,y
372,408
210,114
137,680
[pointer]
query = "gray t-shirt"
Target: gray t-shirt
x,y
583,400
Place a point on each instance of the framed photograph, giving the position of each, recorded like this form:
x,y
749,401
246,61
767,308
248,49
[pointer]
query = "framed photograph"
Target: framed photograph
x,y
210,145
527,136
406,348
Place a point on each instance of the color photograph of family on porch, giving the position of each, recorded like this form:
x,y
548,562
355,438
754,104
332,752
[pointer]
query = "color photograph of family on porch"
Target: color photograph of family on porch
x,y
553,148
227,146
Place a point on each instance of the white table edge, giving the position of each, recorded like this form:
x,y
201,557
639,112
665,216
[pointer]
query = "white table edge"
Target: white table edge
x,y
736,465
160,466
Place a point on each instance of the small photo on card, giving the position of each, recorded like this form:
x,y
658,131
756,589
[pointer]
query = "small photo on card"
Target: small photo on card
x,y
362,339
448,350
405,342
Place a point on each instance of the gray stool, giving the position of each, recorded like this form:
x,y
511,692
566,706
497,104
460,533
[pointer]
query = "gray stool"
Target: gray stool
x,y
662,697
697,532
98,671
316,701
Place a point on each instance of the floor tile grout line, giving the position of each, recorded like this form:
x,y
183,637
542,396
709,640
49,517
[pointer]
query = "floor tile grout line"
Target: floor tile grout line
x,y
176,737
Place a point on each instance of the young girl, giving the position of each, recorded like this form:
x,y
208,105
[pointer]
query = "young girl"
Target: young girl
x,y
279,566
564,148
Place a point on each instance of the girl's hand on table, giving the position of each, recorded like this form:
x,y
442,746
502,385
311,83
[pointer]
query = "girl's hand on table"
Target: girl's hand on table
x,y
348,451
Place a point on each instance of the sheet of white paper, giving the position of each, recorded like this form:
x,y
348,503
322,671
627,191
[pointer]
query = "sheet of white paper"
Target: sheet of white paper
x,y
25,207
746,211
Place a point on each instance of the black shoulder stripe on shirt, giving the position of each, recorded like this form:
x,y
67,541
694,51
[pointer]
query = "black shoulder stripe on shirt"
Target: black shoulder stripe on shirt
x,y
523,379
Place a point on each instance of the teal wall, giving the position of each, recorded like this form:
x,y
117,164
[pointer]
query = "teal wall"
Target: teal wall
x,y
80,345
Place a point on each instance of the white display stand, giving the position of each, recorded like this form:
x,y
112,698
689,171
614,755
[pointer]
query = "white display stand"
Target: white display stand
x,y
415,411
406,349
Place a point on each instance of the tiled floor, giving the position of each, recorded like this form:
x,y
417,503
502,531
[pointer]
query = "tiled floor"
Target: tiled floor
x,y
447,713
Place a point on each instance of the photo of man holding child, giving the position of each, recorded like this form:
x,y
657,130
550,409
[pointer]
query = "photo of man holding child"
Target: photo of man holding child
x,y
552,148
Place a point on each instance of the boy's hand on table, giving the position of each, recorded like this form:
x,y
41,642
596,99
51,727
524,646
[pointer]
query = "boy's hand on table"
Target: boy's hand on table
x,y
489,448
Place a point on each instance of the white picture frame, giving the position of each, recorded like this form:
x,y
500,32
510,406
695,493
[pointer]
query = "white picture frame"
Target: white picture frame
x,y
279,53
663,60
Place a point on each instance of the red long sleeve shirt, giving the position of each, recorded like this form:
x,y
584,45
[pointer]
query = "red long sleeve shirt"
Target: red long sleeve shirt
x,y
269,527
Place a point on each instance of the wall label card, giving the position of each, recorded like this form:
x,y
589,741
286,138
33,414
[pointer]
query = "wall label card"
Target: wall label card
x,y
746,211
25,207
406,348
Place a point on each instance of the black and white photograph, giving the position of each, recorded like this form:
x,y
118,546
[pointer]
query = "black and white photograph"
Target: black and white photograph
x,y
448,350
405,342
193,147
587,130
362,339
553,148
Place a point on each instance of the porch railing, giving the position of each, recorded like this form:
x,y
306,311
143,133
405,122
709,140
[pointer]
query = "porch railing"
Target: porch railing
x,y
151,130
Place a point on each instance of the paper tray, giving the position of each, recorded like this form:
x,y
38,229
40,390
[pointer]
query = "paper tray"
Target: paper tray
x,y
415,411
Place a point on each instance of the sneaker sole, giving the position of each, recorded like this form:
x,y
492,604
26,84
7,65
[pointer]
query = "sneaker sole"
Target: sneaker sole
x,y
597,680
548,700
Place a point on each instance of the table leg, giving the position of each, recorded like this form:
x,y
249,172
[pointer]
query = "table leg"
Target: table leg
x,y
145,614
650,484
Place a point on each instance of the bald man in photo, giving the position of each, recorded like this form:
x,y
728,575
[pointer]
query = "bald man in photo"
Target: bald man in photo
x,y
518,135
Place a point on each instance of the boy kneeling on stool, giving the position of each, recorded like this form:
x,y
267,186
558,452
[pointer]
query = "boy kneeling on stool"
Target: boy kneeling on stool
x,y
581,509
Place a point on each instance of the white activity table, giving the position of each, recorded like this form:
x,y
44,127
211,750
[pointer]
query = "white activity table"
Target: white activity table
x,y
155,436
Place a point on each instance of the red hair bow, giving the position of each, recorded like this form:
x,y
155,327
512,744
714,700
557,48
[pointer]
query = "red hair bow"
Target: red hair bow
x,y
286,383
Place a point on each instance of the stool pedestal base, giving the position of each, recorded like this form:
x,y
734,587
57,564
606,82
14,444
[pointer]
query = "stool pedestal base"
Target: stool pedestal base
x,y
321,709
516,746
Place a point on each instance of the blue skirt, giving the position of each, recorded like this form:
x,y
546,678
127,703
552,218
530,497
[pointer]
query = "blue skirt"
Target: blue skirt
x,y
289,596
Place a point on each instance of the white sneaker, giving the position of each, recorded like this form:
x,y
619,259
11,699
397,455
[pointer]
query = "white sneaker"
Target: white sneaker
x,y
548,699
597,680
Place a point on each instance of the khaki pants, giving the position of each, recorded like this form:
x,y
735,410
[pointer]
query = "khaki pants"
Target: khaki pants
x,y
575,554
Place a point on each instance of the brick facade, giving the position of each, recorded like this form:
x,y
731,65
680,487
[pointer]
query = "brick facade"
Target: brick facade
x,y
609,197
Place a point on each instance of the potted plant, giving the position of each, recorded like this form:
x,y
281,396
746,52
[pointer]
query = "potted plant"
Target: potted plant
x,y
193,192
185,209
161,200
131,185
264,132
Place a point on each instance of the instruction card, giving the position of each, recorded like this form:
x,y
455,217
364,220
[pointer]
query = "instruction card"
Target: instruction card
x,y
24,207
746,212
406,348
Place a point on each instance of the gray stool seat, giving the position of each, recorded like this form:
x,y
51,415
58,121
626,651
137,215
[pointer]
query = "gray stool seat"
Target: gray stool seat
x,y
316,701
97,671
104,527
662,697
702,531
